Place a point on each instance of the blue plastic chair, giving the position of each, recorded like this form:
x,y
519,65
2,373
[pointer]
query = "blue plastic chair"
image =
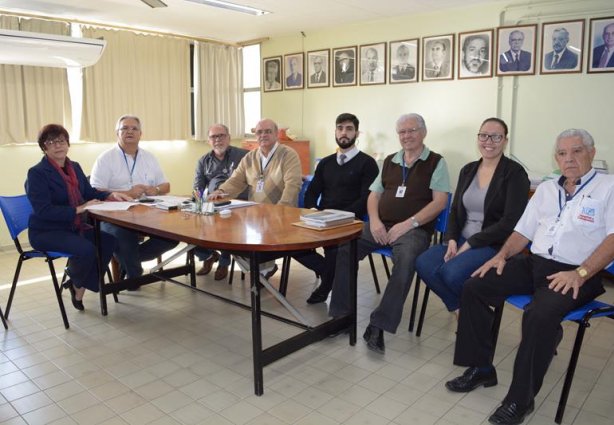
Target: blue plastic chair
x,y
441,223
16,211
581,316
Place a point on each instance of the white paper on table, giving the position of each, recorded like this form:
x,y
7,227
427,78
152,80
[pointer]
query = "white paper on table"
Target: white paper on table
x,y
169,199
110,206
235,203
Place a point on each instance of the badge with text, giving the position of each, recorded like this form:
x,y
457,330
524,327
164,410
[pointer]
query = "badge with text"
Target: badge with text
x,y
400,192
260,186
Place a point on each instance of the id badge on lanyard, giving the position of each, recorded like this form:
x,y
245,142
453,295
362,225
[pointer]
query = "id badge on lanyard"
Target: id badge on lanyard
x,y
401,191
260,185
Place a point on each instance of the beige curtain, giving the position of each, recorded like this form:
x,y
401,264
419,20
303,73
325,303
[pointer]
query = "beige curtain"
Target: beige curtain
x,y
219,89
32,96
143,75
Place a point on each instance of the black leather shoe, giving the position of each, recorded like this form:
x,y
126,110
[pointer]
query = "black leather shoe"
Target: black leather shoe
x,y
375,339
510,414
471,379
78,304
318,296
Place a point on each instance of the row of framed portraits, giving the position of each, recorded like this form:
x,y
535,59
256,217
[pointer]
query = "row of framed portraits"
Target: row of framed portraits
x,y
562,51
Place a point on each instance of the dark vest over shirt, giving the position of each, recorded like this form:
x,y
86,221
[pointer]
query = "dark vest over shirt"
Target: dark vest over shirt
x,y
393,210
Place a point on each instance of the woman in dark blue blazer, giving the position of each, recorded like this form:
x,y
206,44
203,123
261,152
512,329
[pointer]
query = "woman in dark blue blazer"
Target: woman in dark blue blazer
x,y
490,197
59,192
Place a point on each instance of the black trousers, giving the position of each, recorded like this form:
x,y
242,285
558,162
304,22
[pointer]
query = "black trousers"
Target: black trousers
x,y
540,321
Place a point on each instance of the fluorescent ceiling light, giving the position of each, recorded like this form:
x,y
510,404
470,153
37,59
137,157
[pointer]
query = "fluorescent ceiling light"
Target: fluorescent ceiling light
x,y
154,3
232,6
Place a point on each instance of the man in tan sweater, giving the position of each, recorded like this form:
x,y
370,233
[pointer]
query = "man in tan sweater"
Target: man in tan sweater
x,y
272,173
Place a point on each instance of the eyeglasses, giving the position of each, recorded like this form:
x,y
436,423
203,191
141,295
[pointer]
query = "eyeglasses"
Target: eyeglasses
x,y
59,142
409,131
495,138
265,131
126,128
217,136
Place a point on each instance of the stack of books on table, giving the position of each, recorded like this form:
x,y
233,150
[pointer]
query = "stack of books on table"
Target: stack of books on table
x,y
327,218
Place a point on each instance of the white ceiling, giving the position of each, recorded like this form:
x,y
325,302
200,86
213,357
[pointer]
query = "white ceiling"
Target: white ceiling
x,y
196,20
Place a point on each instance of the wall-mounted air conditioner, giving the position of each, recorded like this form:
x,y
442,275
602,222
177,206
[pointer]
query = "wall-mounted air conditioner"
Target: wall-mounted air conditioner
x,y
38,49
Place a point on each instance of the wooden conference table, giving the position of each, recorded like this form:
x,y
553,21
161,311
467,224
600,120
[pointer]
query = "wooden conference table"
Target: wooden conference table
x,y
248,231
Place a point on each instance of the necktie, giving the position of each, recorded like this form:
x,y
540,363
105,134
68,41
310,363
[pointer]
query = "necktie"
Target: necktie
x,y
342,158
555,61
517,61
604,58
371,76
437,70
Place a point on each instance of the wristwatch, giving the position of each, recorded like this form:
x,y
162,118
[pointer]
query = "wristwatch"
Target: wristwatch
x,y
582,272
414,223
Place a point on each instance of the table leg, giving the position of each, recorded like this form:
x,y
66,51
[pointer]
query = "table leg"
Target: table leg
x,y
254,277
353,293
101,288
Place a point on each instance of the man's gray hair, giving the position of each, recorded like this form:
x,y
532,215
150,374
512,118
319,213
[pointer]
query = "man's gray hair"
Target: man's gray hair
x,y
125,117
220,125
587,139
414,116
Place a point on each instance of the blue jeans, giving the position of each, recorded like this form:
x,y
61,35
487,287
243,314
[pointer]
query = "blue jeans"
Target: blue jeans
x,y
203,253
446,279
130,252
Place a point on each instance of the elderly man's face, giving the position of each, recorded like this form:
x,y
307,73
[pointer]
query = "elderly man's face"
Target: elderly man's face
x,y
372,59
344,61
559,41
293,65
474,54
573,157
129,131
266,134
516,40
219,139
317,64
403,55
411,135
437,52
608,36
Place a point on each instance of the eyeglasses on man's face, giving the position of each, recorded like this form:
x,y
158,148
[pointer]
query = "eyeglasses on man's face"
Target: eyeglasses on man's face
x,y
264,131
59,142
217,136
495,138
409,131
126,128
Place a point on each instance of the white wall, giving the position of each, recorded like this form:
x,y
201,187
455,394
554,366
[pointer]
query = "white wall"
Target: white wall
x,y
544,105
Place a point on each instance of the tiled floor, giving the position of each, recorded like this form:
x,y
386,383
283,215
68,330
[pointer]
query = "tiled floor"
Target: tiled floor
x,y
166,355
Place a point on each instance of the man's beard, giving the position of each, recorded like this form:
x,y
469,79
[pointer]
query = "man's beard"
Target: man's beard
x,y
345,142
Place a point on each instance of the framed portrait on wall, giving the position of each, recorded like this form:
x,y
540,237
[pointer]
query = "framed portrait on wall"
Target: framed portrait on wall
x,y
403,61
475,54
373,64
601,45
271,74
344,66
318,62
562,47
293,66
516,50
438,58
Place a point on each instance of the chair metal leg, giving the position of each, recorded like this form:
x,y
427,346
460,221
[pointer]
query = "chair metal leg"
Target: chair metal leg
x,y
425,301
374,273
13,286
3,321
58,292
414,304
571,370
386,269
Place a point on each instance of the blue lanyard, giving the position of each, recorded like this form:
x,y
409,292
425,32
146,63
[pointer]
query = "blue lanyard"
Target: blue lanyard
x,y
130,170
569,198
405,170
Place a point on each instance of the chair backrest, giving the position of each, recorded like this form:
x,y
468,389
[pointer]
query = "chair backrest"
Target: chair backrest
x,y
441,222
301,194
16,211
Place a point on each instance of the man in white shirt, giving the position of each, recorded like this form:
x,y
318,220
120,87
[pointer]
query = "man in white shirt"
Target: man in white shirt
x,y
570,222
128,169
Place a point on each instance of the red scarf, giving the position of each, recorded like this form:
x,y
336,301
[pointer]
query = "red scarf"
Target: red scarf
x,y
72,187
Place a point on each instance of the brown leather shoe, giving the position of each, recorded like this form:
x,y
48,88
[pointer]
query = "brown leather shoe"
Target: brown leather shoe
x,y
221,273
208,264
